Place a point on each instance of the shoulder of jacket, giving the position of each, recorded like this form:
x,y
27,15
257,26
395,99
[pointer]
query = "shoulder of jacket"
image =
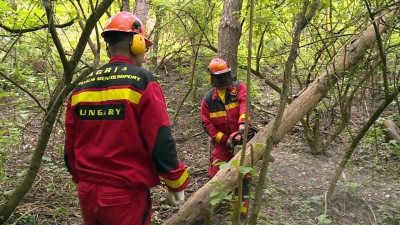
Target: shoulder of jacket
x,y
236,83
146,74
208,96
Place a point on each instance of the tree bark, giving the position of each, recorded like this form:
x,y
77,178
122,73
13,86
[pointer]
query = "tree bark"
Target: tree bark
x,y
142,8
230,30
391,130
160,13
125,5
198,204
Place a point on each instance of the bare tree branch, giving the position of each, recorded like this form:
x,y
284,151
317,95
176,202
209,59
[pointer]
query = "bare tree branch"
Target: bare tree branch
x,y
90,24
23,89
27,30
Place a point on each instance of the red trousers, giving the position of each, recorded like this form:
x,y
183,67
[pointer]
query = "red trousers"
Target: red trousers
x,y
220,153
105,205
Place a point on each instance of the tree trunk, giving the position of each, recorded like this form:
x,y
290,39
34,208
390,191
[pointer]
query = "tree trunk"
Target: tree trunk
x,y
391,130
160,13
142,10
125,5
230,30
196,206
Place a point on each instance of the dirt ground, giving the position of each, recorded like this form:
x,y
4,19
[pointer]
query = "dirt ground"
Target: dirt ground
x,y
368,191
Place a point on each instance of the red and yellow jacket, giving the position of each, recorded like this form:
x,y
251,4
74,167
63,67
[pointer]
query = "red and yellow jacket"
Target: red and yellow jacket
x,y
118,131
222,118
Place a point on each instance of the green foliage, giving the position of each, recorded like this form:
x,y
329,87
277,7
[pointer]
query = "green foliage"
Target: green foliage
x,y
27,218
33,62
352,187
2,164
306,207
9,136
390,214
394,148
247,170
324,219
219,196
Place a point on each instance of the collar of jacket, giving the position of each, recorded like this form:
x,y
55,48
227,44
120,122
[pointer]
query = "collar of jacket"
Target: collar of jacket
x,y
232,91
121,58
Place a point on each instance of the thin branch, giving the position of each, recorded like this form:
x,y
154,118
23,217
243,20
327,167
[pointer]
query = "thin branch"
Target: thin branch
x,y
196,53
357,139
237,212
300,25
27,30
380,48
9,49
54,35
80,48
24,90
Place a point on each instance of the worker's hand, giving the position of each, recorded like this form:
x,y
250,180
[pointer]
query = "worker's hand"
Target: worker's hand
x,y
241,127
176,198
228,143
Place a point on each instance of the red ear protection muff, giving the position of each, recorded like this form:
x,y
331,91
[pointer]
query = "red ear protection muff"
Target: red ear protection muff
x,y
138,44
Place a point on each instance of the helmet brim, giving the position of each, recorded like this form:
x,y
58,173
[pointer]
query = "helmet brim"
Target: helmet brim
x,y
148,42
221,72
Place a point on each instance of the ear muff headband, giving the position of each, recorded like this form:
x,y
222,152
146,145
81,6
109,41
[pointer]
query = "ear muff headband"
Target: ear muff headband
x,y
138,44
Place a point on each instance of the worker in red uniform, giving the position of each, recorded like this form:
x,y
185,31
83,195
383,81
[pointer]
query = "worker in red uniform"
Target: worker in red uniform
x,y
223,112
118,135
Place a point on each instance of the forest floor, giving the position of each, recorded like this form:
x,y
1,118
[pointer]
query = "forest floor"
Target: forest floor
x,y
368,191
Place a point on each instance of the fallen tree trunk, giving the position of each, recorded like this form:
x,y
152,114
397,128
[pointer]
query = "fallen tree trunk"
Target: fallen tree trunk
x,y
391,131
197,206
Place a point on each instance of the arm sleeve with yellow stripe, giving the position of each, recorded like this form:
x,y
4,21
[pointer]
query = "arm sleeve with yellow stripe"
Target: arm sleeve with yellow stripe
x,y
214,133
157,133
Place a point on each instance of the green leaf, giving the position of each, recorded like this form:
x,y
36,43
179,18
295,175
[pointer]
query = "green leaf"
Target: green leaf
x,y
245,170
214,201
228,198
235,162
224,166
324,219
214,193
30,79
46,158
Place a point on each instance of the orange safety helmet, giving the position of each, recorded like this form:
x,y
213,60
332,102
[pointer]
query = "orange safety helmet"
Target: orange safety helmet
x,y
219,73
218,66
126,22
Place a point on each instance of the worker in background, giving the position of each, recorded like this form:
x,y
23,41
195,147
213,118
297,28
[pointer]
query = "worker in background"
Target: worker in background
x,y
223,112
118,135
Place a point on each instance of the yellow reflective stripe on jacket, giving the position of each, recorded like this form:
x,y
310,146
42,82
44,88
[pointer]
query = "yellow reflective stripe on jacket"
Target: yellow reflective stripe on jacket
x,y
219,137
217,114
107,95
232,105
243,116
176,183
